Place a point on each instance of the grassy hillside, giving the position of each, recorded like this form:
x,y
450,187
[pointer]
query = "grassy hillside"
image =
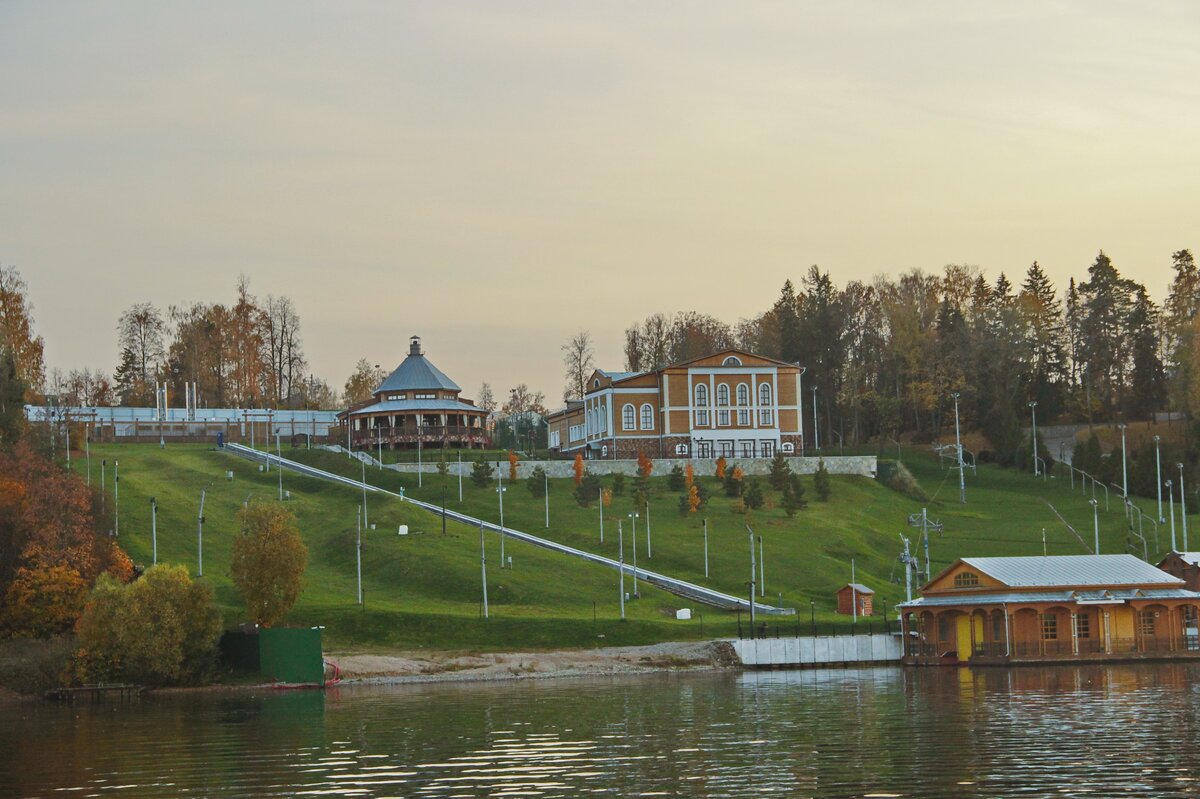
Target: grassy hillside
x,y
424,589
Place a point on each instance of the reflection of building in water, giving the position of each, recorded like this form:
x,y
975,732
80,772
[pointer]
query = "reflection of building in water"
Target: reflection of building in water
x,y
1062,607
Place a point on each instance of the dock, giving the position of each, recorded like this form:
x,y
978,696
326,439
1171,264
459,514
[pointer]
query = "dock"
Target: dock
x,y
95,693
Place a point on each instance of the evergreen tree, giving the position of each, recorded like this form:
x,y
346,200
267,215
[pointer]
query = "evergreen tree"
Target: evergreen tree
x,y
781,470
481,472
588,490
675,479
754,495
822,484
793,496
618,484
1147,385
1042,318
536,482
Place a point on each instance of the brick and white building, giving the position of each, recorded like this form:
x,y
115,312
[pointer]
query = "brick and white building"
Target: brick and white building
x,y
731,403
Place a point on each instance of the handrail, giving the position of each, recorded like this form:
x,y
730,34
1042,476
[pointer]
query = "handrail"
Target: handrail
x,y
672,584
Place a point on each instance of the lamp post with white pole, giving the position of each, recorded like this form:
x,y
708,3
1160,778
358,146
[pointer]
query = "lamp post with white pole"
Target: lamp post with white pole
x,y
1171,505
1183,507
706,548
634,516
358,523
483,567
1124,468
762,569
621,564
816,429
546,493
117,499
500,489
364,489
153,531
1158,474
1033,444
1096,522
962,481
279,464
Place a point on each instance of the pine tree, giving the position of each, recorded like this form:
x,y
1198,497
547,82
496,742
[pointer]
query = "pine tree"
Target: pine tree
x,y
536,481
781,470
481,472
793,496
754,495
822,483
675,481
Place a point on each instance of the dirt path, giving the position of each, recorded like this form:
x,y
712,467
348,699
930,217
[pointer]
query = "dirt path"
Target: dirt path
x,y
444,666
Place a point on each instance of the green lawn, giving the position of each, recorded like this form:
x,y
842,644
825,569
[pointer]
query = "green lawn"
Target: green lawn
x,y
423,590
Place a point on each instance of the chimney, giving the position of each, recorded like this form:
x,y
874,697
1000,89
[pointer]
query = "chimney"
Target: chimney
x,y
414,346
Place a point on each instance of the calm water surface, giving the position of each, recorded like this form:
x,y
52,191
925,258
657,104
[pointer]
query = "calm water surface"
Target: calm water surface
x,y
1063,731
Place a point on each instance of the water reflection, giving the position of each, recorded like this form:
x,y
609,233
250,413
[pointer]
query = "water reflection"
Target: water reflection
x,y
1063,731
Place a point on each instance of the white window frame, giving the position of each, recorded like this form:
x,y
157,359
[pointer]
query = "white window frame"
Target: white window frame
x,y
787,446
722,418
767,448
764,394
732,360
766,417
743,417
647,416
723,394
628,417
743,394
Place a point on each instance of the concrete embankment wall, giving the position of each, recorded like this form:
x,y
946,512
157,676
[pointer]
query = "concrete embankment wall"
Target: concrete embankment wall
x,y
765,653
862,465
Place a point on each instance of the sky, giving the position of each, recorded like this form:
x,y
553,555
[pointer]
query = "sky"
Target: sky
x,y
498,176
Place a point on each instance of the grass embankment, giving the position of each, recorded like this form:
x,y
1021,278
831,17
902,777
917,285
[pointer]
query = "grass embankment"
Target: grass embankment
x,y
423,590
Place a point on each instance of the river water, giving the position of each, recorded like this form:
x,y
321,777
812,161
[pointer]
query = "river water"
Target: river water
x,y
1091,731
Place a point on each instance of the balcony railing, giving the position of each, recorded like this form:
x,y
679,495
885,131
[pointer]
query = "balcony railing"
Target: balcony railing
x,y
428,431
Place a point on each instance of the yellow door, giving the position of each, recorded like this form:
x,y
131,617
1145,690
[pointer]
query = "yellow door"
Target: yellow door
x,y
964,637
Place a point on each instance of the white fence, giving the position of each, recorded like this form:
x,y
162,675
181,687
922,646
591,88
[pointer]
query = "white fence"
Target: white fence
x,y
838,649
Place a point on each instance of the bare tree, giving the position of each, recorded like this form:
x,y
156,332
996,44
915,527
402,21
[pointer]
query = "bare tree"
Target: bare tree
x,y
522,400
487,401
140,330
281,340
578,358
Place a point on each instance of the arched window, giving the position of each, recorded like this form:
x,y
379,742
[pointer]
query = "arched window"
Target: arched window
x,y
966,580
701,395
722,394
627,418
732,360
647,417
764,394
743,394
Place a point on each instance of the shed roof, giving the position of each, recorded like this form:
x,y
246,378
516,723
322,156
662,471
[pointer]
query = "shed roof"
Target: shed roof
x,y
397,406
859,588
1192,558
1071,570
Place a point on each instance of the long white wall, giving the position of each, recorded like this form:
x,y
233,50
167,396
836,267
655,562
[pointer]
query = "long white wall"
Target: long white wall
x,y
862,465
784,652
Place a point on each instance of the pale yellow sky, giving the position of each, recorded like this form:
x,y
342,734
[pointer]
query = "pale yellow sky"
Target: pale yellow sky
x,y
496,176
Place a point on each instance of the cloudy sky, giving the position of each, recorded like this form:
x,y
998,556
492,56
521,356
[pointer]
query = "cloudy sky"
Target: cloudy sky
x,y
496,176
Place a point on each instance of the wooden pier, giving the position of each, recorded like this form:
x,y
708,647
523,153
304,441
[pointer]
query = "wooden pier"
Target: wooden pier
x,y
97,692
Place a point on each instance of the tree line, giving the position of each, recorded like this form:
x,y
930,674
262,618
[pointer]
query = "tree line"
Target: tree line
x,y
884,357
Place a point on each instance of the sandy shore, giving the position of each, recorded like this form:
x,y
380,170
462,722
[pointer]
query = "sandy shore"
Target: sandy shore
x,y
403,667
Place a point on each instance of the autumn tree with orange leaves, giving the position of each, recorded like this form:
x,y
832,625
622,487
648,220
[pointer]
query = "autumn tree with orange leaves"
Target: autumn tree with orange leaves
x,y
578,470
513,460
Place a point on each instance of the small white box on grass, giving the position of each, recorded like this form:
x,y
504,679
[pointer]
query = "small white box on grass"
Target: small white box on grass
x,y
403,530
683,614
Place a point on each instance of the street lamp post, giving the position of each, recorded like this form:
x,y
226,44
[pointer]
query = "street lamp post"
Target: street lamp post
x,y
483,567
601,504
279,464
1171,505
1096,522
153,531
116,499
812,616
649,549
1124,468
816,429
621,564
460,471
366,520
962,481
358,523
200,535
753,579
87,445
1033,444
1183,507
706,547
1158,474
546,493
762,573
634,517
500,489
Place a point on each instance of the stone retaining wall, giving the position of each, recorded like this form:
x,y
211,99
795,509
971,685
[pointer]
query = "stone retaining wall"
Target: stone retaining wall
x,y
861,465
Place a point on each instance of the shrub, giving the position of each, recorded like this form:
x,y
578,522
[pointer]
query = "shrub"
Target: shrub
x,y
689,475
513,460
904,482
675,480
44,601
537,483
587,491
821,482
721,468
268,562
481,472
754,495
579,470
160,629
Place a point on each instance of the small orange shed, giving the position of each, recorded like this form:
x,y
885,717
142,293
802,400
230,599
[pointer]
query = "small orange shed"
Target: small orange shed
x,y
852,593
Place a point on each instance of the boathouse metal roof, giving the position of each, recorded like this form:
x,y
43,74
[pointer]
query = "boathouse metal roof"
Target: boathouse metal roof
x,y
415,373
1072,570
412,406
1115,597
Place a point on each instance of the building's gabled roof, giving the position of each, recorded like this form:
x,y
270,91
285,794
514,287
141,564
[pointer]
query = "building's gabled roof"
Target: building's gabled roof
x,y
615,376
859,588
728,351
430,406
1056,571
1190,558
1118,596
416,373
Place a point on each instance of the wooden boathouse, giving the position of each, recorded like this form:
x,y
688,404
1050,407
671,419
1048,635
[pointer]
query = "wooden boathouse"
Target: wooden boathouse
x,y
985,611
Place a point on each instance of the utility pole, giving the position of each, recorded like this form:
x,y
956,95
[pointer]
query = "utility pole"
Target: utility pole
x,y
1158,473
1096,522
460,471
103,463
116,499
634,517
962,480
621,564
546,484
366,521
706,547
649,550
853,592
1183,507
200,536
483,567
153,531
752,580
762,569
1124,468
87,445
1034,446
601,503
908,561
279,464
816,428
1171,504
358,523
